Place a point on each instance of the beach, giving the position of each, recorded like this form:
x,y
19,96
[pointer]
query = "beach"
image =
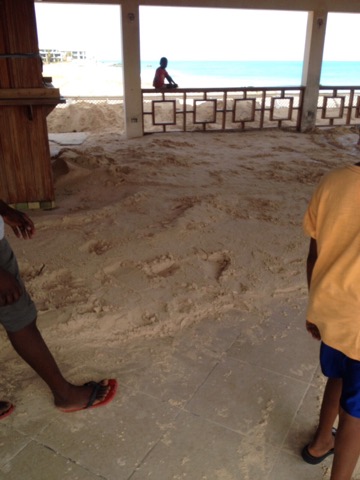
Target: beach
x,y
98,78
153,239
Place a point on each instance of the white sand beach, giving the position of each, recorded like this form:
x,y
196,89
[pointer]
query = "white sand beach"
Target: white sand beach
x,y
172,239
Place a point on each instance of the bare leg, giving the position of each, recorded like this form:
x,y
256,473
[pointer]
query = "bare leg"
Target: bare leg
x,y
31,347
347,447
323,440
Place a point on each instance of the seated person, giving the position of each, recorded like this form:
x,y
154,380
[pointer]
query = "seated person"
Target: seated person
x,y
161,74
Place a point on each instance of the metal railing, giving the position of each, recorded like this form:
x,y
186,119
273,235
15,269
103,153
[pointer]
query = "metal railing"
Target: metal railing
x,y
220,108
338,106
229,109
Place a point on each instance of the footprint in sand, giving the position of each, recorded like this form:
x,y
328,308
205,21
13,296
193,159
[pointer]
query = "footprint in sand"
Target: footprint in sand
x,y
96,246
216,264
163,266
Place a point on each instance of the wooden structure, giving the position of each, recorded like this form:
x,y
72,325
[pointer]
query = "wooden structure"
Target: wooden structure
x,y
26,98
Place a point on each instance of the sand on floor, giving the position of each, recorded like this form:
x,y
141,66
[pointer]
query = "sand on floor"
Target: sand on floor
x,y
151,235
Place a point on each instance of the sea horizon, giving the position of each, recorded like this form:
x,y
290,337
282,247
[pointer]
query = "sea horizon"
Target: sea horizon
x,y
84,78
247,73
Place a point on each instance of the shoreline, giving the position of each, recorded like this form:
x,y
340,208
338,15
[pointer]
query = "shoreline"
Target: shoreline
x,y
101,79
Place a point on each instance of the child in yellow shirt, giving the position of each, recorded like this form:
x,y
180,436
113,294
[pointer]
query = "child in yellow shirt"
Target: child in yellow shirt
x,y
332,220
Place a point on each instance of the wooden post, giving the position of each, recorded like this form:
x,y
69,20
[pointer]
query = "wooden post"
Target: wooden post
x,y
25,165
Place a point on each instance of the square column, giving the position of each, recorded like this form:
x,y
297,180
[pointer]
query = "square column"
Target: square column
x,y
314,48
131,68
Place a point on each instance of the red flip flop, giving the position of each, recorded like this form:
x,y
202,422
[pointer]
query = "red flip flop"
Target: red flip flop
x,y
8,411
112,383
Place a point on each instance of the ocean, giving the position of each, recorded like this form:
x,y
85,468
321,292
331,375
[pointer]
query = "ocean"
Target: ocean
x,y
252,73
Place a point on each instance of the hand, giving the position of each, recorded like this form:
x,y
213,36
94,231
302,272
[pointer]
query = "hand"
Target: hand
x,y
21,224
313,330
10,290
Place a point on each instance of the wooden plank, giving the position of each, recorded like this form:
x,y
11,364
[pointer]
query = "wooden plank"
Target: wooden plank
x,y
30,102
25,166
25,72
39,157
12,186
20,37
23,93
4,72
21,22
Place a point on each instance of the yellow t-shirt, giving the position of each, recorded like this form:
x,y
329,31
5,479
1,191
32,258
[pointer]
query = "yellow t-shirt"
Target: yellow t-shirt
x,y
333,220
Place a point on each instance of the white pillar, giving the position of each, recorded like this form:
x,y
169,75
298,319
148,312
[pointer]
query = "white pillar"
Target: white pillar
x,y
314,48
131,68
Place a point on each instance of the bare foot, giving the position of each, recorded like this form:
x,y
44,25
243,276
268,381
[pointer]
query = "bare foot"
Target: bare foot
x,y
91,394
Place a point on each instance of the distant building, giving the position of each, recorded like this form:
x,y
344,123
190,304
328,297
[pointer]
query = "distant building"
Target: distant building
x,y
53,55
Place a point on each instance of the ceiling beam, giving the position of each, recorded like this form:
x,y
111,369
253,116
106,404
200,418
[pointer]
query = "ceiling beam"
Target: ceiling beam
x,y
339,6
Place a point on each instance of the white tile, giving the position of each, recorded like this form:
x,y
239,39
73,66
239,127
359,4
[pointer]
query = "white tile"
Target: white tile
x,y
37,462
11,441
168,372
283,347
250,400
290,467
110,440
195,449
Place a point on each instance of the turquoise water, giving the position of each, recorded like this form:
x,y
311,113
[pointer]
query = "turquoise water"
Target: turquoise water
x,y
253,73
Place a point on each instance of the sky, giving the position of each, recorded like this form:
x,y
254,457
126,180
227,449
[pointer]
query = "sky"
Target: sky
x,y
193,33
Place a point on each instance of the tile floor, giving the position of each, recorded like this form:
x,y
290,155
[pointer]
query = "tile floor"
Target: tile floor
x,y
229,399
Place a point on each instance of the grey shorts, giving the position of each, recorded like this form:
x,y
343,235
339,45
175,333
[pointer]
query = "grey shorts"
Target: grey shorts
x,y
20,314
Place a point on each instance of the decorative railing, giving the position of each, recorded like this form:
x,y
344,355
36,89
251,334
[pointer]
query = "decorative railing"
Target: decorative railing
x,y
225,109
338,106
229,109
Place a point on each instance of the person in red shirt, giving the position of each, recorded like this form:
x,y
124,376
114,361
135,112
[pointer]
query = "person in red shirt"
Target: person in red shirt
x,y
161,74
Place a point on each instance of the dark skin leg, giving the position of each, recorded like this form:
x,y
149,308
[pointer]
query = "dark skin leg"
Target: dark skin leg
x,y
347,439
31,347
323,440
28,342
347,447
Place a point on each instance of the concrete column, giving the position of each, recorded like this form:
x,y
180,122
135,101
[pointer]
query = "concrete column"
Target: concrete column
x,y
314,48
131,68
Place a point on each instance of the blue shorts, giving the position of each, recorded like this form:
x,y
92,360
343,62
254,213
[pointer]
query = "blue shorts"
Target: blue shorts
x,y
20,314
335,364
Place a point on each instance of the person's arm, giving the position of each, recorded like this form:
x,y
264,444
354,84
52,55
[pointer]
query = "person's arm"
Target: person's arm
x,y
310,264
170,80
21,224
311,260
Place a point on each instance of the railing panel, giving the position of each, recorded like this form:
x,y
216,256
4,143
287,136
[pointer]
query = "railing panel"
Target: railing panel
x,y
217,109
247,108
338,106
221,109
